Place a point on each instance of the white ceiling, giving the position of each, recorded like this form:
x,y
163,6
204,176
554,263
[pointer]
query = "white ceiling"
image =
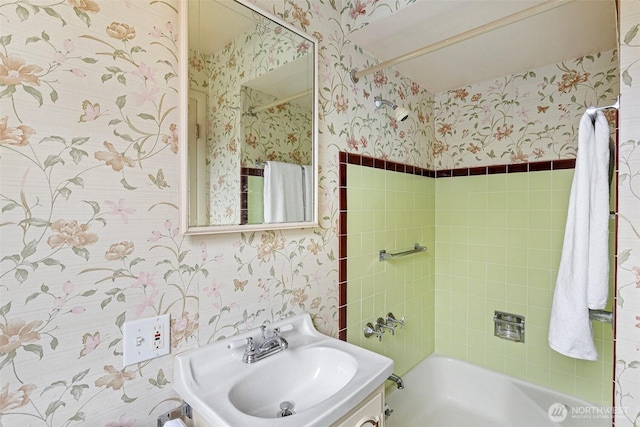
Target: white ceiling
x,y
564,33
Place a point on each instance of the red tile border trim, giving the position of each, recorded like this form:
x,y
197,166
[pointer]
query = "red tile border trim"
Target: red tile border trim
x,y
372,162
345,158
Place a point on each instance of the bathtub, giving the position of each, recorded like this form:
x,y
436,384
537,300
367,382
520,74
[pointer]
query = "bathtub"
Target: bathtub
x,y
445,392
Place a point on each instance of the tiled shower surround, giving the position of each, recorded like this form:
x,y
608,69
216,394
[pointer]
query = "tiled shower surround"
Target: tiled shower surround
x,y
494,238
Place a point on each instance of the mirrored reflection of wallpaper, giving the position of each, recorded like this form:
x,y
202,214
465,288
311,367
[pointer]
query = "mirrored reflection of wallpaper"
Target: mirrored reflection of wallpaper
x,y
223,75
282,133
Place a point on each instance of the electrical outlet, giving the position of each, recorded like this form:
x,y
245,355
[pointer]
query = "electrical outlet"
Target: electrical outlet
x,y
157,341
145,339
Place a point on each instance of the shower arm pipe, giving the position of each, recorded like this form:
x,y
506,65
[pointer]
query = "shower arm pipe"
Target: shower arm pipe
x,y
280,101
474,32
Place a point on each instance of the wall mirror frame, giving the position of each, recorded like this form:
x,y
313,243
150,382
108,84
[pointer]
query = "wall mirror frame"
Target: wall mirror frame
x,y
200,193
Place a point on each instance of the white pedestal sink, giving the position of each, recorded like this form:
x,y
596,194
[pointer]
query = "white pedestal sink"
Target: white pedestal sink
x,y
321,377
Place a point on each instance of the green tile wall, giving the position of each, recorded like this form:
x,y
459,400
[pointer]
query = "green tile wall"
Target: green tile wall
x,y
494,244
392,211
498,246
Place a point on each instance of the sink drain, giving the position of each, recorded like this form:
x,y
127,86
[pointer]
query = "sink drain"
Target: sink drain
x,y
285,409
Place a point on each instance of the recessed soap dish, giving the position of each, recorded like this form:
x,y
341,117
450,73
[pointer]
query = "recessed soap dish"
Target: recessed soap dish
x,y
508,326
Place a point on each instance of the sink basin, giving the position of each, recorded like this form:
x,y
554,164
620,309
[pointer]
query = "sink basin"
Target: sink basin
x,y
321,377
324,372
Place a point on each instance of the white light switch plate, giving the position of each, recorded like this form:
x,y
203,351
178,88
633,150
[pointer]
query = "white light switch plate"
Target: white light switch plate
x,y
145,339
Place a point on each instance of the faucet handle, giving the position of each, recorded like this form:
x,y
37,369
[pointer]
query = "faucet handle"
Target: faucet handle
x,y
250,346
382,324
276,332
370,330
392,319
249,355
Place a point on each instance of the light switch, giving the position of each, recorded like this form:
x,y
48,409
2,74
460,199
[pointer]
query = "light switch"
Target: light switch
x,y
145,339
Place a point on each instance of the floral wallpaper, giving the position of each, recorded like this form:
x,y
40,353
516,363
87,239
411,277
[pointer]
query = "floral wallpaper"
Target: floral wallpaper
x,y
627,373
89,228
89,191
528,117
359,13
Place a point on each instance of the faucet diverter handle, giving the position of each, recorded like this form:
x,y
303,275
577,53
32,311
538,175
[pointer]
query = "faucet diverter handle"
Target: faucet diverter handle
x,y
382,324
395,322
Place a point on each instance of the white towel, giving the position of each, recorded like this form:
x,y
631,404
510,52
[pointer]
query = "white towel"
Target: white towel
x,y
307,192
283,193
583,274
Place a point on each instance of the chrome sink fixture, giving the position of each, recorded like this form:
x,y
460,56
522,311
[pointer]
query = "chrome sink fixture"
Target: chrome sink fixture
x,y
267,347
300,378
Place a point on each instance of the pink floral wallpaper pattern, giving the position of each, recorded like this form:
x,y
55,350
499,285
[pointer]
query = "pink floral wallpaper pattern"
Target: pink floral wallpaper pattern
x,y
528,117
627,346
88,95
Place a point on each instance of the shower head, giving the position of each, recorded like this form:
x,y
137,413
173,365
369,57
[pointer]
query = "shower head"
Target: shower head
x,y
401,113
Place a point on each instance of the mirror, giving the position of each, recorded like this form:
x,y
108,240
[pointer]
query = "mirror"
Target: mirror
x,y
248,120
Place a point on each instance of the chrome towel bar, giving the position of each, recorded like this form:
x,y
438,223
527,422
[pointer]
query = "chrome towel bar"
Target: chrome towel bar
x,y
601,316
384,255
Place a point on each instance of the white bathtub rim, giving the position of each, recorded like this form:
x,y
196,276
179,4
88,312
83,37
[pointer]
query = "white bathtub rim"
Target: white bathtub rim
x,y
517,381
512,394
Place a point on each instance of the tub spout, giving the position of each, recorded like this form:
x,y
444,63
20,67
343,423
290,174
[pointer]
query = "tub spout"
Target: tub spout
x,y
396,379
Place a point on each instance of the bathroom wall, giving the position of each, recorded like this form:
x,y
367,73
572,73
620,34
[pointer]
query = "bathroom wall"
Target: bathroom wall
x,y
390,210
627,350
627,376
527,117
499,236
498,245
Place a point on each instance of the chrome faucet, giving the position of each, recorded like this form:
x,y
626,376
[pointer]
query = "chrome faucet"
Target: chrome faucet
x,y
391,319
266,348
382,325
370,330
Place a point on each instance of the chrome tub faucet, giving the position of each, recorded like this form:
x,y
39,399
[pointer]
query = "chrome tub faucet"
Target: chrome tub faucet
x,y
396,379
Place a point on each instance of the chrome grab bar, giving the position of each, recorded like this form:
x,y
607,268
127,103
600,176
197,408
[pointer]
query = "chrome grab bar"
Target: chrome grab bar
x,y
384,255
